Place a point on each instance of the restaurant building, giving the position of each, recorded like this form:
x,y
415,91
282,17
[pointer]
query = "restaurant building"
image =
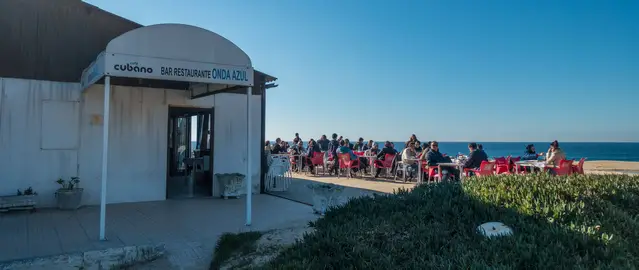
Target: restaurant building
x,y
173,92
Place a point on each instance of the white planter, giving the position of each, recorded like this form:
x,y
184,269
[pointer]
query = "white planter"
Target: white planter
x,y
325,196
69,199
19,202
231,184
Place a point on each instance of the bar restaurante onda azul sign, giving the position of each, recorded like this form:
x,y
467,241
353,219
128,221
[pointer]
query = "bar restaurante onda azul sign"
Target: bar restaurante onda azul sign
x,y
174,70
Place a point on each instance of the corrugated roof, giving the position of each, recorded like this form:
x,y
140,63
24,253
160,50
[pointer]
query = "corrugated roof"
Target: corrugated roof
x,y
57,40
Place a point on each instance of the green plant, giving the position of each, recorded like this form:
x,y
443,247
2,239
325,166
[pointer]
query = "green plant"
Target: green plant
x,y
573,222
68,184
232,244
28,191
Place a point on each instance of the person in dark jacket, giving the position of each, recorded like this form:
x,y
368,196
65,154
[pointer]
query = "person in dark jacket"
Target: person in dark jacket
x,y
359,145
418,146
323,143
475,157
530,153
277,147
388,149
333,146
434,157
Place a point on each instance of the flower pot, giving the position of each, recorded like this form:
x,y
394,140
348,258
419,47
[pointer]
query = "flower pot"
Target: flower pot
x,y
69,199
231,184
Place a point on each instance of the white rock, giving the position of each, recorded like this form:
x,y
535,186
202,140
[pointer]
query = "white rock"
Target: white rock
x,y
494,229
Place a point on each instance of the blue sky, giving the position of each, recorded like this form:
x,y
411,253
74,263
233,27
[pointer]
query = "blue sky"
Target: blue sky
x,y
444,70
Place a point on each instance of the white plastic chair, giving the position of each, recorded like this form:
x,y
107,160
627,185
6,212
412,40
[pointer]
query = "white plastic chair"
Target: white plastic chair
x,y
279,174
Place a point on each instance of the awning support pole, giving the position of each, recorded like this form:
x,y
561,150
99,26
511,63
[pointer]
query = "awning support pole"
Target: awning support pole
x,y
249,180
105,155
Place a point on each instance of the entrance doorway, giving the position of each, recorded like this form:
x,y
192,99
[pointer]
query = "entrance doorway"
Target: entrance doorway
x,y
190,155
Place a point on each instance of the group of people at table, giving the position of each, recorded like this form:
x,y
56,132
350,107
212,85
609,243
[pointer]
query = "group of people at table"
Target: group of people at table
x,y
367,154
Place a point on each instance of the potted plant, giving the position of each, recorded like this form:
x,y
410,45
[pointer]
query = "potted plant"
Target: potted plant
x,y
69,195
325,196
23,200
231,184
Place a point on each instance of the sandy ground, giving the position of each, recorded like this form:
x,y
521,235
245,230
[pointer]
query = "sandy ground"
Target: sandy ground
x,y
606,166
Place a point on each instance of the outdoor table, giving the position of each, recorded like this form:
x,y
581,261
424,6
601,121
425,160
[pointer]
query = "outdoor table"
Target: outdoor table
x,y
453,164
531,163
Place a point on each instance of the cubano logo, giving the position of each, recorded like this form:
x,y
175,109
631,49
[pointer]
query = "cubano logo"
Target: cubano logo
x,y
229,75
132,67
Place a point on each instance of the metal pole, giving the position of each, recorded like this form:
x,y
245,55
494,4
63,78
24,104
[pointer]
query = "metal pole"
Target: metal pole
x,y
105,155
249,182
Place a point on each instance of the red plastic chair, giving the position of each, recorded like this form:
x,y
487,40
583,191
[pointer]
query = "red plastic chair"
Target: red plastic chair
x,y
387,163
579,168
318,160
565,167
511,164
345,162
501,165
486,168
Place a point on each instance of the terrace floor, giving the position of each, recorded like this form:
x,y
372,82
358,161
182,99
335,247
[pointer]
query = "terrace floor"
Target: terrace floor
x,y
189,228
353,187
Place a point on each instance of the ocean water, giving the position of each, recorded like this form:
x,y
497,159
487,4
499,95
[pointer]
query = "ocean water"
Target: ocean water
x,y
589,150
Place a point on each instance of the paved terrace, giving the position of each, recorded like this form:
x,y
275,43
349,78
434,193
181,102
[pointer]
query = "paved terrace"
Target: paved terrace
x,y
189,228
353,187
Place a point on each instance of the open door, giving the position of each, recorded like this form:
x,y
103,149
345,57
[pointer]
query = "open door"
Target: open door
x,y
189,153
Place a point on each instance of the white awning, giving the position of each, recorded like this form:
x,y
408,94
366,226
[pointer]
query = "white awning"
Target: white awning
x,y
172,52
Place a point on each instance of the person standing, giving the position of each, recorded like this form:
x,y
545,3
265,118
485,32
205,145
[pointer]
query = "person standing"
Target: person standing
x,y
323,143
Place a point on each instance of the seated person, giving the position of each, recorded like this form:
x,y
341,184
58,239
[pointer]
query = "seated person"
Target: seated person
x,y
475,157
555,154
435,157
530,153
313,147
425,149
418,146
349,144
408,158
387,150
369,145
359,145
372,151
344,149
277,147
296,151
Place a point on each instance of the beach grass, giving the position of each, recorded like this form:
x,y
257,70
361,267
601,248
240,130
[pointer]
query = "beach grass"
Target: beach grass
x,y
232,245
568,222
